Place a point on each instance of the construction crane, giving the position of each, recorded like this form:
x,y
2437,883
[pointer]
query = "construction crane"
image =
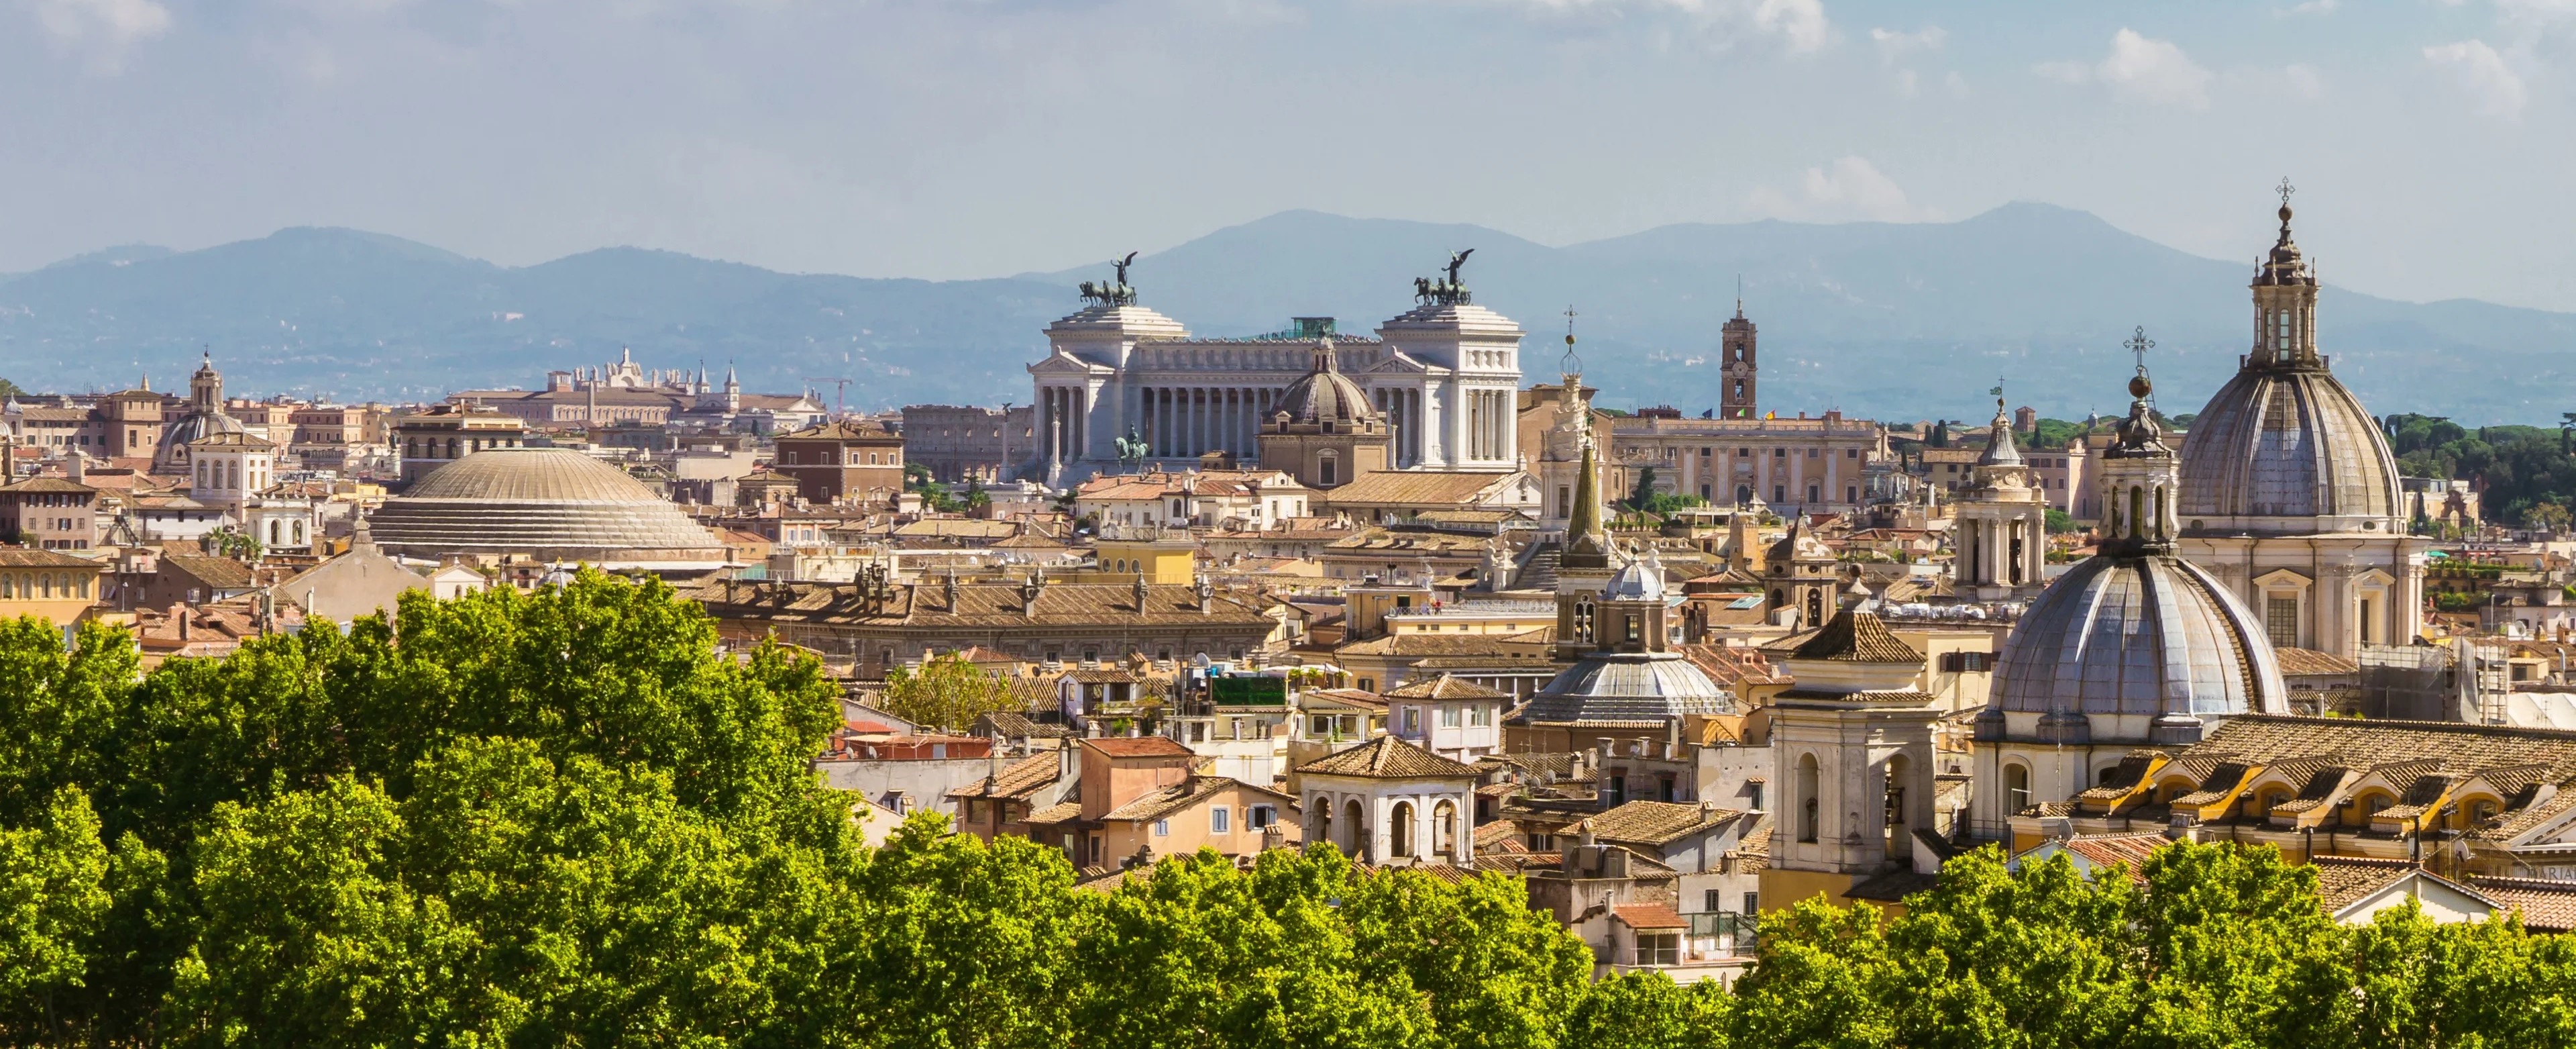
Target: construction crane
x,y
839,385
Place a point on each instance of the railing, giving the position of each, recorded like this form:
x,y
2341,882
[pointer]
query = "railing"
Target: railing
x,y
1740,932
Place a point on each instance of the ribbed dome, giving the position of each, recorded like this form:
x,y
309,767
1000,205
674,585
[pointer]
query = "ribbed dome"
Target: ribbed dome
x,y
1325,395
1628,688
547,503
2138,635
194,426
2285,440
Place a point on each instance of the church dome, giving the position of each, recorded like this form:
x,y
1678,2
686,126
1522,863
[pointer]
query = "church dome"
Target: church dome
x,y
546,503
2283,447
2285,440
172,453
2152,635
1325,395
1627,688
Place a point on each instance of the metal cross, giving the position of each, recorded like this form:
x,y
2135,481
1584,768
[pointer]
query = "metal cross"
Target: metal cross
x,y
1572,363
2285,189
2139,344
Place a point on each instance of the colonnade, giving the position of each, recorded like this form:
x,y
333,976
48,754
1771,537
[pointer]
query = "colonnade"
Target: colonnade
x,y
1184,421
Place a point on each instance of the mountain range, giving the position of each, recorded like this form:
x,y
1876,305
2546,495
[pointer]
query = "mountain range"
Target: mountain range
x,y
1896,321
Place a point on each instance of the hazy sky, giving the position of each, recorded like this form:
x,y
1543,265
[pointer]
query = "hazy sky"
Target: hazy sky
x,y
2430,141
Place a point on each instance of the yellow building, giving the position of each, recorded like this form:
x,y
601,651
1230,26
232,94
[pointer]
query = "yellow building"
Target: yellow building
x,y
48,584
1160,558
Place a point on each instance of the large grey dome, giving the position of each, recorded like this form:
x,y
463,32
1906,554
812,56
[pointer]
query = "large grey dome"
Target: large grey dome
x,y
552,504
2150,634
1325,396
2285,440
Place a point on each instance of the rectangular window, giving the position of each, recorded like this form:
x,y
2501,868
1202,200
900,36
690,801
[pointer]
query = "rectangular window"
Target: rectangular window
x,y
1711,900
1618,790
1162,828
1752,903
1480,716
1448,717
2281,620
1260,817
1659,948
1753,792
1220,820
1413,719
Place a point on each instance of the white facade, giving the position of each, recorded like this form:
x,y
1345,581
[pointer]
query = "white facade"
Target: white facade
x,y
1444,375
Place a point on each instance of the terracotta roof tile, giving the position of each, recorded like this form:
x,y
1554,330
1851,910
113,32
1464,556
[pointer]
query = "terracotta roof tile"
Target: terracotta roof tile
x,y
1387,757
2545,905
1657,822
2308,662
2343,880
1649,916
1857,637
1443,687
1018,778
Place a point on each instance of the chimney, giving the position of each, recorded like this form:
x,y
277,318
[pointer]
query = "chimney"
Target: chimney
x,y
1608,747
993,767
179,611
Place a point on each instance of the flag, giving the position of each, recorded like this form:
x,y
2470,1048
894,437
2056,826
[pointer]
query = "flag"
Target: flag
x,y
1996,392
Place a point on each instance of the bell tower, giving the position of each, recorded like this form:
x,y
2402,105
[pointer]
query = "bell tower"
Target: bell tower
x,y
1737,398
206,388
2000,525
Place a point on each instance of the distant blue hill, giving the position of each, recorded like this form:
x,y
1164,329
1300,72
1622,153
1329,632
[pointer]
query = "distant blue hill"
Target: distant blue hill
x,y
1895,321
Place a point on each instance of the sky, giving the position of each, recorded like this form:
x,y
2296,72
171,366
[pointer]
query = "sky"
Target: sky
x,y
2430,142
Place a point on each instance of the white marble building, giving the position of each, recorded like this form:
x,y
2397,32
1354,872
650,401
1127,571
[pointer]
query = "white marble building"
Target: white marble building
x,y
1444,375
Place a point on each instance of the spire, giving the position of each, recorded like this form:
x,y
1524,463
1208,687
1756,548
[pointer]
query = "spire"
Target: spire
x,y
1587,543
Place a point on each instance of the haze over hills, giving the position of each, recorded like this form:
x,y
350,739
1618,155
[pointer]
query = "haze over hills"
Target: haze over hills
x,y
1888,320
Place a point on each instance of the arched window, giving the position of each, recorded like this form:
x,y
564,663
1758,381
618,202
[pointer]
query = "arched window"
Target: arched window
x,y
1354,826
1444,829
1319,825
1400,830
2016,788
1806,787
1815,606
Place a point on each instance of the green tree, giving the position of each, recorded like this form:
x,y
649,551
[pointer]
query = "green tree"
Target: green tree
x,y
948,692
60,719
1646,1010
2060,522
1644,491
959,944
1198,952
2545,516
53,902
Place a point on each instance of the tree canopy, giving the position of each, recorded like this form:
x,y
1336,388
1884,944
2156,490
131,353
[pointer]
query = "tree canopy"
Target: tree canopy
x,y
565,818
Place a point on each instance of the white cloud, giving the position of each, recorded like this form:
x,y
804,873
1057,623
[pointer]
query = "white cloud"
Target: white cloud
x,y
1801,26
2495,87
119,21
2316,7
1799,23
1893,45
102,28
2304,80
1849,188
2142,69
